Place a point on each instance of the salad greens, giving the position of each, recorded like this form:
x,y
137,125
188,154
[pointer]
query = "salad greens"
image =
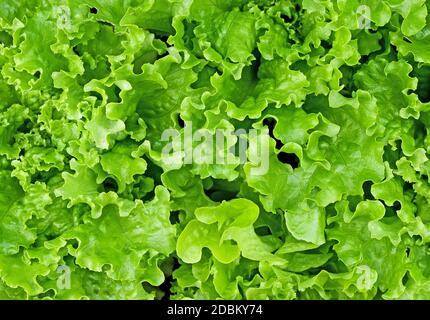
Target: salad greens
x,y
89,209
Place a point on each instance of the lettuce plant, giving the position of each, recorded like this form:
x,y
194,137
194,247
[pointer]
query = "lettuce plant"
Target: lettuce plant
x,y
91,209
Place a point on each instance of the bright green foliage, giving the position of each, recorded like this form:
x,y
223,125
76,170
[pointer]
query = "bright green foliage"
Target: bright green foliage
x,y
88,87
